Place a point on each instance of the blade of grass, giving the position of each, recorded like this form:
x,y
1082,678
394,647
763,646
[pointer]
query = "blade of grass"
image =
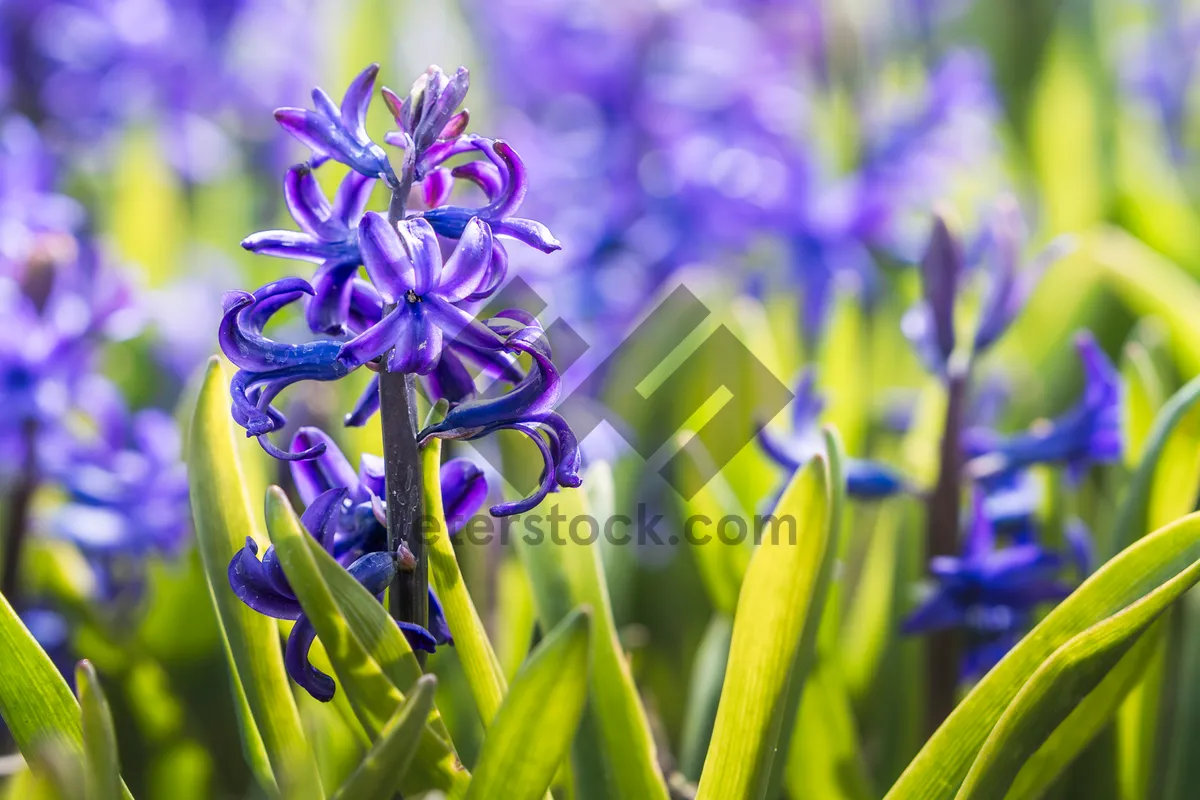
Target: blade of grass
x,y
99,736
223,520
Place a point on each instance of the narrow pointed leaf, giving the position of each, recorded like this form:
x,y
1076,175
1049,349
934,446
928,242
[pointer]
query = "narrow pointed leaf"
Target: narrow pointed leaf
x,y
704,695
382,771
372,694
484,674
779,611
223,519
544,705
1154,561
99,736
614,753
1062,682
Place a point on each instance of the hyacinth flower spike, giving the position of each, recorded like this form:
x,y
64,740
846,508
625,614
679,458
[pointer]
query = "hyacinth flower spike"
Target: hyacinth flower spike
x,y
988,592
346,516
528,409
267,367
340,133
328,236
865,480
1090,433
405,264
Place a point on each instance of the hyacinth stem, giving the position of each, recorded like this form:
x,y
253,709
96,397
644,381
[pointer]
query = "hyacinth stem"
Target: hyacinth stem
x,y
942,519
16,521
409,595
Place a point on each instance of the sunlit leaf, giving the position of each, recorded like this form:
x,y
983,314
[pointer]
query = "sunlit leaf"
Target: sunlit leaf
x,y
381,774
99,736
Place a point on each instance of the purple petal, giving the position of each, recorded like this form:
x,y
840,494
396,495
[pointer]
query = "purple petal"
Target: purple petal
x,y
249,582
450,379
384,257
516,182
469,264
483,174
457,124
353,194
497,271
309,128
307,202
419,345
941,267
329,471
315,682
435,188
464,488
379,338
421,243
438,627
356,100
366,405
329,310
461,326
286,244
529,231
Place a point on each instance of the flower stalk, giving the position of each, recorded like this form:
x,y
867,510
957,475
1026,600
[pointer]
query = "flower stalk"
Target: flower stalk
x,y
16,521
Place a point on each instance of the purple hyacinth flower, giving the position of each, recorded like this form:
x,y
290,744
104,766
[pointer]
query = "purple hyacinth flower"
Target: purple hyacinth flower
x,y
1090,433
406,267
528,409
865,479
1010,285
504,182
930,324
340,133
989,593
328,235
267,367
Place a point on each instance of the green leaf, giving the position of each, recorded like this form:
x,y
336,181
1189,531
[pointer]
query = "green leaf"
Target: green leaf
x,y
1143,397
824,760
482,668
381,774
774,634
1062,682
1151,286
614,751
271,726
704,695
99,736
1166,559
515,616
1083,724
544,705
372,694
1133,519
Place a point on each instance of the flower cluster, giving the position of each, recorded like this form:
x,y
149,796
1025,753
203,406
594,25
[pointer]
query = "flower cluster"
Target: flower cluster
x,y
345,512
991,591
428,263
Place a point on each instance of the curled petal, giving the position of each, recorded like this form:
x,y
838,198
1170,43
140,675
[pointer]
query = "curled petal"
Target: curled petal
x,y
295,658
457,124
438,627
516,181
497,272
320,518
483,174
529,231
250,583
436,187
353,194
307,203
310,129
546,483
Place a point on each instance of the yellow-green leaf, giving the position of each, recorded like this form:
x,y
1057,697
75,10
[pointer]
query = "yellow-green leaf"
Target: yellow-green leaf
x,y
544,705
221,510
99,736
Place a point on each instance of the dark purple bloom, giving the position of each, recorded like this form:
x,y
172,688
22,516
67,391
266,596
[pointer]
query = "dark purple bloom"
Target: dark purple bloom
x,y
267,367
528,409
328,235
1090,433
865,480
988,592
345,512
340,133
405,264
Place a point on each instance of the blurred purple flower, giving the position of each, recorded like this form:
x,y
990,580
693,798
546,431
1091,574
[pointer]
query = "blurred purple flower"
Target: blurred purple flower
x,y
865,479
990,593
1090,433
